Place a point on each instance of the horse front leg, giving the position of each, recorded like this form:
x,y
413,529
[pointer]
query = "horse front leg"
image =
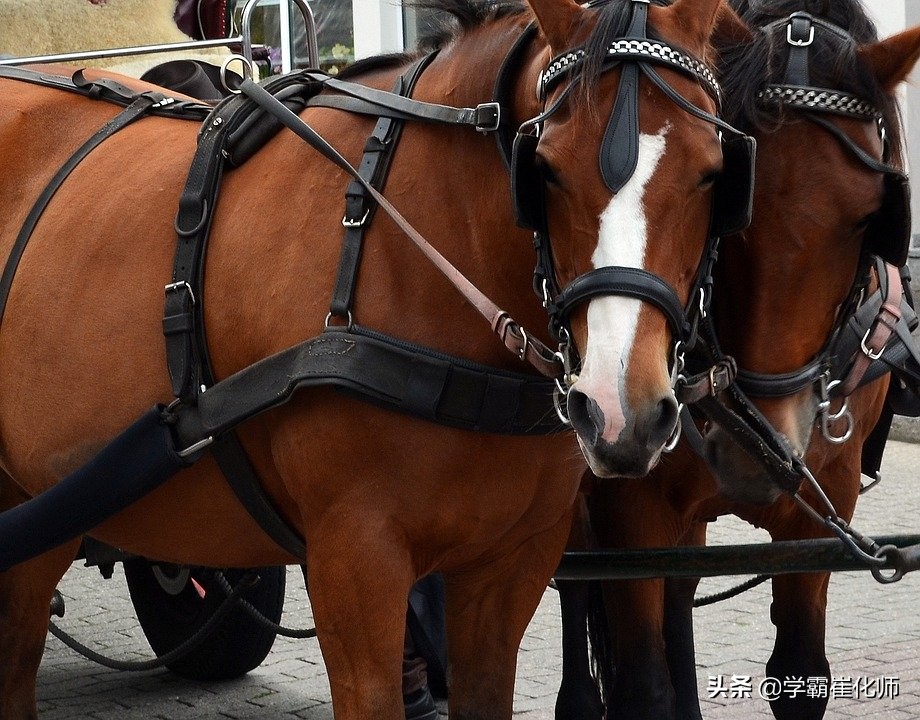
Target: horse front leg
x,y
488,609
799,614
799,608
642,688
579,697
26,591
358,579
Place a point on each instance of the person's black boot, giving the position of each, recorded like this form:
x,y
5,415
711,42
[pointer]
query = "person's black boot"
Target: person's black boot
x,y
420,705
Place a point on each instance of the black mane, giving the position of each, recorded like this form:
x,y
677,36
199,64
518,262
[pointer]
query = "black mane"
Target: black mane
x,y
834,64
451,18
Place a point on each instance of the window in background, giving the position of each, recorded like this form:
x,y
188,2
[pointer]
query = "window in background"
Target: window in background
x,y
334,31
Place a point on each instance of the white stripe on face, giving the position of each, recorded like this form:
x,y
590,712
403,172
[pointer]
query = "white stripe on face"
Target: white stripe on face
x,y
612,320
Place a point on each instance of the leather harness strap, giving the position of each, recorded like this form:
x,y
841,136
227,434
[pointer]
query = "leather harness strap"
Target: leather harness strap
x,y
359,207
877,336
137,105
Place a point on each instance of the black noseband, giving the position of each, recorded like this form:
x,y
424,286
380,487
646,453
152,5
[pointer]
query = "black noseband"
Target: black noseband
x,y
626,282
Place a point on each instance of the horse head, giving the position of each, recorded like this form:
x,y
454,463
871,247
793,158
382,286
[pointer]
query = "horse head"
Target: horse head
x,y
817,91
625,156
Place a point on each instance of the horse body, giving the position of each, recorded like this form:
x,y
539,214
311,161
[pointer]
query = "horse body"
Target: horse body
x,y
778,292
381,499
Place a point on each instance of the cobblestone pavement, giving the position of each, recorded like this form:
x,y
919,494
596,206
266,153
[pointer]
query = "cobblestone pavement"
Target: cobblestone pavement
x,y
873,633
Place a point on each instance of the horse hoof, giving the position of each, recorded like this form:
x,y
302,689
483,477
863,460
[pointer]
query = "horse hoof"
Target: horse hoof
x,y
57,605
420,705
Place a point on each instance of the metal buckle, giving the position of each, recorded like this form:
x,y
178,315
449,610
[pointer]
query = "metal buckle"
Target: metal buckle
x,y
496,119
800,43
522,353
174,287
866,350
713,383
192,449
346,222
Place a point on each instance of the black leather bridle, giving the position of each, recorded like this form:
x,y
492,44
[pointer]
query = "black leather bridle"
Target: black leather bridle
x,y
887,236
636,54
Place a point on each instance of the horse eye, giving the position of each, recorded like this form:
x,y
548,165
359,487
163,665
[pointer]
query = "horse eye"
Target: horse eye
x,y
708,180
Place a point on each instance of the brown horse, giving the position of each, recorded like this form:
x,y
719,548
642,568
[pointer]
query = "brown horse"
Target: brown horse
x,y
381,498
782,291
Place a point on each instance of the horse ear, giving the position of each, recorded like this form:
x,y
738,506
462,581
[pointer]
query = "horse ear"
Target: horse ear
x,y
556,19
694,19
730,29
892,59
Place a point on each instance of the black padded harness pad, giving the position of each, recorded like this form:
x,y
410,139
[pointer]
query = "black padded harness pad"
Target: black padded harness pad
x,y
386,372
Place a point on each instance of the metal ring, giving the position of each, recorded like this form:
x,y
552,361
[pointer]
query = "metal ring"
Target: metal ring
x,y
349,320
893,554
248,72
558,393
826,430
671,444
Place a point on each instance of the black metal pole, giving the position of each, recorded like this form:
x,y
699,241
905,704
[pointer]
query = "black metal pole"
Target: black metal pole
x,y
820,555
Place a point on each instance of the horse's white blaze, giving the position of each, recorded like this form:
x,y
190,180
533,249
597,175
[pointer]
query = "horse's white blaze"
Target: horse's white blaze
x,y
612,320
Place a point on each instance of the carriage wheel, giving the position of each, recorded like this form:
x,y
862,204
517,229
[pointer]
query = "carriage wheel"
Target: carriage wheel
x,y
171,609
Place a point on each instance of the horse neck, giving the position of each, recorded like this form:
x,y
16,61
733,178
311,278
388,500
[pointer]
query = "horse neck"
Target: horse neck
x,y
464,74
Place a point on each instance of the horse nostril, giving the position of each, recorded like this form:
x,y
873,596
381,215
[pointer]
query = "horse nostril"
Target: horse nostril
x,y
586,416
661,422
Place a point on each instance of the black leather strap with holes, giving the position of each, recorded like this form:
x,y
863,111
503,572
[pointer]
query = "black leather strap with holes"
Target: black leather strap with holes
x,y
359,207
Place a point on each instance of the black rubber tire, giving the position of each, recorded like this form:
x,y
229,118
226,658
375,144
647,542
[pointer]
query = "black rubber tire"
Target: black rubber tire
x,y
237,645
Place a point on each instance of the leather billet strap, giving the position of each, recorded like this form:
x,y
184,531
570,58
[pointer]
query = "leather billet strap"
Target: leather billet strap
x,y
107,89
364,100
223,139
778,385
384,371
359,206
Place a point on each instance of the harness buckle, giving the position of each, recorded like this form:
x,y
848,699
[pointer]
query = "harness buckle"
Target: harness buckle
x,y
800,43
349,223
182,284
488,117
198,446
867,350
